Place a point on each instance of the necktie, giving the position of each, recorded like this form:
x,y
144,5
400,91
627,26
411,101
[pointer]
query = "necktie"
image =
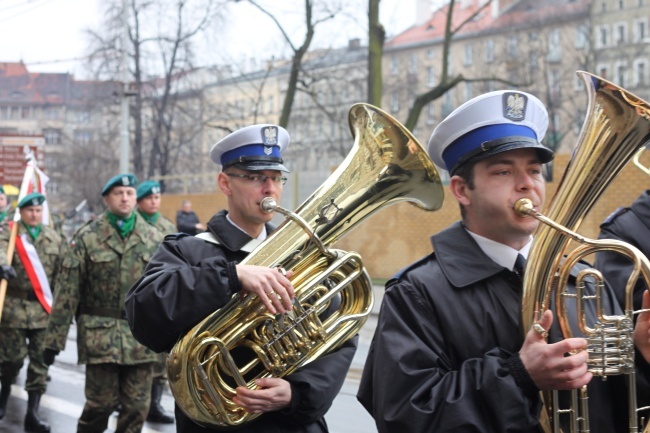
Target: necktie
x,y
520,265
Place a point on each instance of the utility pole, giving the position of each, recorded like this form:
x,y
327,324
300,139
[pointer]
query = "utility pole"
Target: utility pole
x,y
124,103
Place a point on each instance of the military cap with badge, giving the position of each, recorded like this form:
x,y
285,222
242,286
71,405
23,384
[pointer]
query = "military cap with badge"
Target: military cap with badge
x,y
33,199
147,188
255,147
125,179
487,125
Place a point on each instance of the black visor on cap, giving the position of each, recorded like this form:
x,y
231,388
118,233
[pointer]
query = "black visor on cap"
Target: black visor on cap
x,y
494,147
258,164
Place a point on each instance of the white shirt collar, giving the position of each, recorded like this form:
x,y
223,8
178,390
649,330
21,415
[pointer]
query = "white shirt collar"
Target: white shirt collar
x,y
502,254
260,237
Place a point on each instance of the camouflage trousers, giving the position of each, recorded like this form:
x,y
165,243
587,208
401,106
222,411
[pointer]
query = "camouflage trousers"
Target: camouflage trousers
x,y
15,345
160,369
108,385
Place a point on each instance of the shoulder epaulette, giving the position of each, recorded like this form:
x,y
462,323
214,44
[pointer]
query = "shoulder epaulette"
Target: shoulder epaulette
x,y
610,219
175,236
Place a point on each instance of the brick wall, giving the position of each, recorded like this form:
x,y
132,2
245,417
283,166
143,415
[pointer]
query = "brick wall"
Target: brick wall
x,y
398,235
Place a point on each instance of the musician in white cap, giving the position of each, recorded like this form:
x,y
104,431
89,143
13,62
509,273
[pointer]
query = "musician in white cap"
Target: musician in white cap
x,y
191,277
448,353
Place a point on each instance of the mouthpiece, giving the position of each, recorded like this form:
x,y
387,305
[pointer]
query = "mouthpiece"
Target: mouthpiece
x,y
268,205
523,206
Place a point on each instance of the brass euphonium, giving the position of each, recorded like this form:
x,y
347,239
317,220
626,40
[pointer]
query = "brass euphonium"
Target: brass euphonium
x,y
242,341
617,124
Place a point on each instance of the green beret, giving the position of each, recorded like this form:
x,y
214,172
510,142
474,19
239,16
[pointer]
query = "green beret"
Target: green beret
x,y
125,179
2,190
33,199
147,188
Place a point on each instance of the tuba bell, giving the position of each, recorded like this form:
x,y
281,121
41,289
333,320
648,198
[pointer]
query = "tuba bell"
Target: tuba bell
x,y
617,125
242,341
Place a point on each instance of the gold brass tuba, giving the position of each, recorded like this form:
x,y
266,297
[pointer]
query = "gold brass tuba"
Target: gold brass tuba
x,y
616,126
242,341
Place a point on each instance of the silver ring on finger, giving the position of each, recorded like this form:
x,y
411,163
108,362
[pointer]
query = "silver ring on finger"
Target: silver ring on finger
x,y
540,330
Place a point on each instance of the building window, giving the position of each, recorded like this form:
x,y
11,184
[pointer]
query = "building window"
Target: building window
x,y
83,116
447,105
603,71
394,65
413,63
621,74
431,77
640,72
555,84
469,55
51,113
469,91
52,136
602,39
83,137
431,114
640,29
394,101
533,61
512,46
621,4
554,46
579,120
581,37
489,51
430,53
621,33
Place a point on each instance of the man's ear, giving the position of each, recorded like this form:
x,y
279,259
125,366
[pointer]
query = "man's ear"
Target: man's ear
x,y
223,181
459,189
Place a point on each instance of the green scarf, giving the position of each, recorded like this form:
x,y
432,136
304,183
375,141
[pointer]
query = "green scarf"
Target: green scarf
x,y
33,231
3,215
124,226
151,219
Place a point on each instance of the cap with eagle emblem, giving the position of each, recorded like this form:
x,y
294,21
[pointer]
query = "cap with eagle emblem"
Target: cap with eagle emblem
x,y
255,147
489,124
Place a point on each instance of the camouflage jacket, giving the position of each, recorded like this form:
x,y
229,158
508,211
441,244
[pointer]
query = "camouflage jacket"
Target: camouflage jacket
x,y
29,313
165,225
92,284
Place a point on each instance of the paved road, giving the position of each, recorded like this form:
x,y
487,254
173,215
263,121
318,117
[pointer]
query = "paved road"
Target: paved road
x,y
64,400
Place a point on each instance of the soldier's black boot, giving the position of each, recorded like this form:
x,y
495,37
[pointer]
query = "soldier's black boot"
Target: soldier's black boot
x,y
5,392
33,422
156,411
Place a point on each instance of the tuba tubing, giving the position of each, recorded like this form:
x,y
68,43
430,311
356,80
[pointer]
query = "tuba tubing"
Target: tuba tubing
x,y
241,341
617,124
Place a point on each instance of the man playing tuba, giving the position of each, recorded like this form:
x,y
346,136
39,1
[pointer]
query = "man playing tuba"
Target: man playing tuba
x,y
190,277
448,354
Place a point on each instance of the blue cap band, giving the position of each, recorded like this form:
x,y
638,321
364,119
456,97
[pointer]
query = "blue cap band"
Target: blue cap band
x,y
250,152
473,140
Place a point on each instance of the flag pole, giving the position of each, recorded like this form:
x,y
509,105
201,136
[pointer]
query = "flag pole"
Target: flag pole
x,y
30,161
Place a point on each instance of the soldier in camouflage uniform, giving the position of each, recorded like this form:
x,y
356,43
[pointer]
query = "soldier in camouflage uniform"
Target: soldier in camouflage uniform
x,y
108,255
36,262
148,195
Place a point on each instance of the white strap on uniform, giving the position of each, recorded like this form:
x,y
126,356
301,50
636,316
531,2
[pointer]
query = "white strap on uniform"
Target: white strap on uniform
x,y
209,237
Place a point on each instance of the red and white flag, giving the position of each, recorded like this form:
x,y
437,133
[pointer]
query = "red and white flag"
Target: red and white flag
x,y
35,271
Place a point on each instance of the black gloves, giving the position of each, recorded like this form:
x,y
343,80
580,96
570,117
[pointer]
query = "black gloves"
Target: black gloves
x,y
7,272
48,356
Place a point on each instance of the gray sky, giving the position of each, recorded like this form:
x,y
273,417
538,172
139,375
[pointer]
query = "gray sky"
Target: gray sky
x,y
46,34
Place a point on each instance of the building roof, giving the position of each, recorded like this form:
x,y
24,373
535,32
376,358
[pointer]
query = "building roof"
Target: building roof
x,y
19,86
521,14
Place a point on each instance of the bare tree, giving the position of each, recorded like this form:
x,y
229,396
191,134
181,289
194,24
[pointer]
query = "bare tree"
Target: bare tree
x,y
311,21
376,37
161,55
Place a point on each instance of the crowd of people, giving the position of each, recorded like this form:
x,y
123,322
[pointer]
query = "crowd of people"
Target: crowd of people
x,y
448,353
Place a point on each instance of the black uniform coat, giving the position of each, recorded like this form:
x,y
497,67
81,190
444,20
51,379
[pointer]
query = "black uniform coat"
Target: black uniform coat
x,y
444,354
631,225
188,279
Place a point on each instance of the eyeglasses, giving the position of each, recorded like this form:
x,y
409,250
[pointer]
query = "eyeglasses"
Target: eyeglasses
x,y
260,179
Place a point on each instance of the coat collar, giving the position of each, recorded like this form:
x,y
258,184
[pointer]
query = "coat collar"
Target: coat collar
x,y
460,258
232,238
